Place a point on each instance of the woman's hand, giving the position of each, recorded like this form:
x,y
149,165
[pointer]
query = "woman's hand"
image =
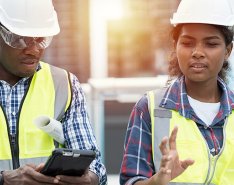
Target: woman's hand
x,y
171,166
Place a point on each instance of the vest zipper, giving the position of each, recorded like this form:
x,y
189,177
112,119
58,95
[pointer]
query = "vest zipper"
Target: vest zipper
x,y
14,138
14,151
13,144
213,160
209,176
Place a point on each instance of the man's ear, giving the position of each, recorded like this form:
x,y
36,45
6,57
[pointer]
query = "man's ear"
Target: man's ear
x,y
228,50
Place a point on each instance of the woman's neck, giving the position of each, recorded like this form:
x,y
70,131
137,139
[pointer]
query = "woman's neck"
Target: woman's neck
x,y
205,92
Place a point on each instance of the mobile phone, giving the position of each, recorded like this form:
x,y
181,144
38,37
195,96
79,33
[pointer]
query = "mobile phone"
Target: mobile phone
x,y
69,162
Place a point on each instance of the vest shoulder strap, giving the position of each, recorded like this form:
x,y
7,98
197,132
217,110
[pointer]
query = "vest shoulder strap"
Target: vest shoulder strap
x,y
154,98
61,85
160,119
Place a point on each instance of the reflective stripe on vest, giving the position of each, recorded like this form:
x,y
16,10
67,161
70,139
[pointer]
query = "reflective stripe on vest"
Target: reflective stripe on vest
x,y
62,89
44,97
7,164
160,117
207,169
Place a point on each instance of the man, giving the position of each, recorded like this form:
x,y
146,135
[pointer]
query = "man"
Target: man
x,y
30,88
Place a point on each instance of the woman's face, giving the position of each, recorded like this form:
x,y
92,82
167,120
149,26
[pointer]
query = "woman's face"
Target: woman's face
x,y
201,52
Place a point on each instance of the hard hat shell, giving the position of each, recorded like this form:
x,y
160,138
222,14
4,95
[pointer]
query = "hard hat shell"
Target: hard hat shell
x,y
219,12
33,18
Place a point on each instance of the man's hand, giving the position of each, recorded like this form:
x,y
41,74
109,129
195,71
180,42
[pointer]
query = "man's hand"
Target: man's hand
x,y
27,175
89,178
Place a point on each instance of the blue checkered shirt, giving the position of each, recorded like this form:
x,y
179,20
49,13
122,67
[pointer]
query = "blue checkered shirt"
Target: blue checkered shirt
x,y
77,129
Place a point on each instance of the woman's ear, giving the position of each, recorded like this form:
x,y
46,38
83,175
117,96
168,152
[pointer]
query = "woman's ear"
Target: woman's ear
x,y
174,45
228,50
174,48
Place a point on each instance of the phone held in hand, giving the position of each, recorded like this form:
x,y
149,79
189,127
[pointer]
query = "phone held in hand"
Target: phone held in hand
x,y
69,162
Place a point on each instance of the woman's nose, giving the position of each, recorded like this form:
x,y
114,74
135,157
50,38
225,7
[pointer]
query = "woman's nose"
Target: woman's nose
x,y
198,51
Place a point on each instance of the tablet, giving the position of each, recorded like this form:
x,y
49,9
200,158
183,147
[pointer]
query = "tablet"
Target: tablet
x,y
68,162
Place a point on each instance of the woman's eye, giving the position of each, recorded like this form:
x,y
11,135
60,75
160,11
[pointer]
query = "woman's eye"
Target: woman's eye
x,y
187,43
212,44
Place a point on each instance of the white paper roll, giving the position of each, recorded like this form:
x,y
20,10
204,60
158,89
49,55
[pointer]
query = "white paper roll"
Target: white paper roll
x,y
51,126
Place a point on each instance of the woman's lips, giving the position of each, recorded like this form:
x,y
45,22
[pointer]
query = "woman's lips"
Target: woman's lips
x,y
198,67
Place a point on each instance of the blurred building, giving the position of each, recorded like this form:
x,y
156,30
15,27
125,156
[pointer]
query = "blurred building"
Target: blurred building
x,y
137,45
70,48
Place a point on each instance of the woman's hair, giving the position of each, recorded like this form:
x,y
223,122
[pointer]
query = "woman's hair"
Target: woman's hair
x,y
174,69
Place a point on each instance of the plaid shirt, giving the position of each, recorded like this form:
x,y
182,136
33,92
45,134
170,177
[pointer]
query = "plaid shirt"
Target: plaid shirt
x,y
76,126
137,161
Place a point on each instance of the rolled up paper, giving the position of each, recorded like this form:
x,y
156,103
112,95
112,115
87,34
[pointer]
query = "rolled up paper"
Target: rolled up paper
x,y
51,126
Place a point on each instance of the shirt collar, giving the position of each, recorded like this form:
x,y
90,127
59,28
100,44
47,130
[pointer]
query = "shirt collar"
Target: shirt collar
x,y
24,80
176,98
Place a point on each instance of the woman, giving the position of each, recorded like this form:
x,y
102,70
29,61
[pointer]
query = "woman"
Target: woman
x,y
192,120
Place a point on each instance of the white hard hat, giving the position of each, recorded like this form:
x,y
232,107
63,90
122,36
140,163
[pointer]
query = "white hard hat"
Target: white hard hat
x,y
33,18
219,12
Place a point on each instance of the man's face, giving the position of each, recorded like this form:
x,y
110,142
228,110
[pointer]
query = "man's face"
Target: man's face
x,y
18,63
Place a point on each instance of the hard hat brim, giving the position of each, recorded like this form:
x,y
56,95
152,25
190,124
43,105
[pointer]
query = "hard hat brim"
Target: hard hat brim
x,y
212,19
34,32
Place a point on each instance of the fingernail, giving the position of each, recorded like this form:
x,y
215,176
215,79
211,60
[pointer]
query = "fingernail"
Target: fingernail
x,y
168,171
56,181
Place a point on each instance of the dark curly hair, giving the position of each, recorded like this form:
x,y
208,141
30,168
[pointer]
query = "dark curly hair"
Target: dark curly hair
x,y
174,69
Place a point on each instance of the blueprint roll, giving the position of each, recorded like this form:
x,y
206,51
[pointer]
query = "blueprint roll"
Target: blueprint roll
x,y
51,126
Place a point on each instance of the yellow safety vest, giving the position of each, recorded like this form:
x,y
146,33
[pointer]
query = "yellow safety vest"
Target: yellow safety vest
x,y
49,94
207,169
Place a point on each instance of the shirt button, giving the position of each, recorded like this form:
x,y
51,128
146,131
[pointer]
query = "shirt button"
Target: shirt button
x,y
212,150
13,113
